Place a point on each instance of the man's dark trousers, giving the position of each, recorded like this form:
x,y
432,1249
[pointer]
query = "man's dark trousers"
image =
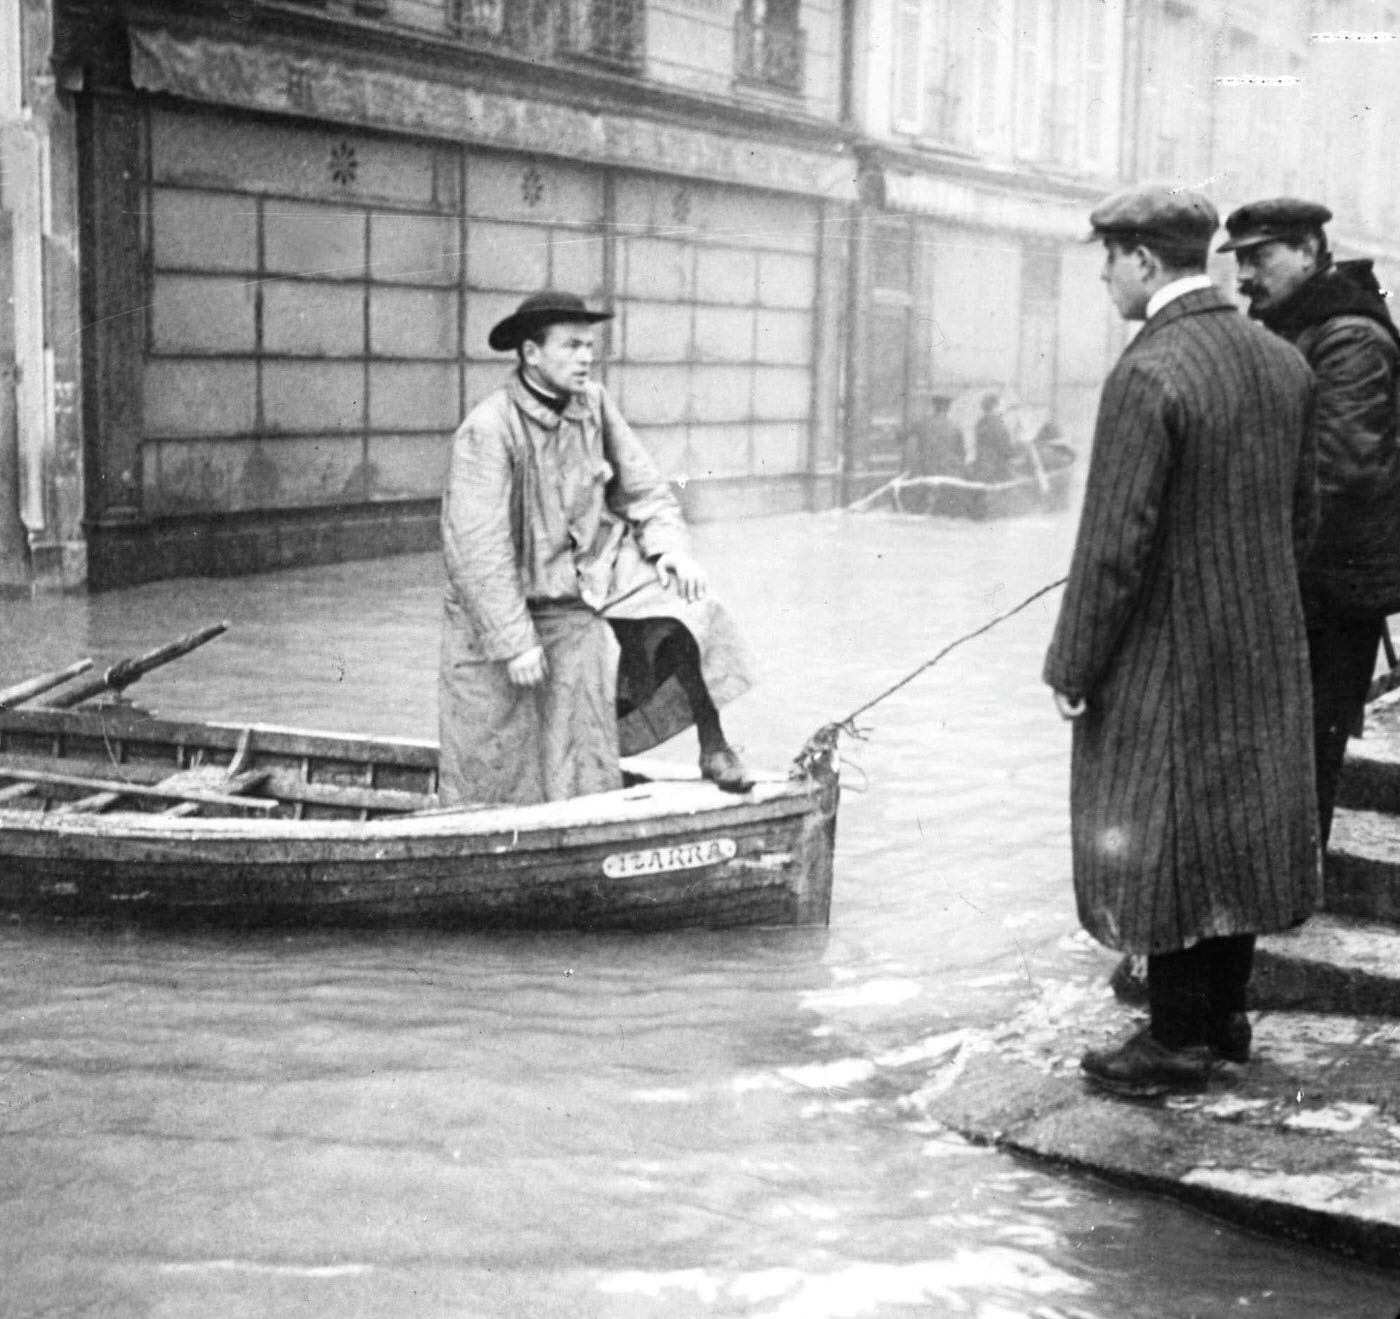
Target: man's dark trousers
x,y
1342,660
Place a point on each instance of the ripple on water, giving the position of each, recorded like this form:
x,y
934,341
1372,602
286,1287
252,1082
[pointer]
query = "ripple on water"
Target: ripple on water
x,y
710,1123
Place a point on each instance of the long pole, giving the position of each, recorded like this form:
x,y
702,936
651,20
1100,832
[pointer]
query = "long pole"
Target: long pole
x,y
31,687
124,672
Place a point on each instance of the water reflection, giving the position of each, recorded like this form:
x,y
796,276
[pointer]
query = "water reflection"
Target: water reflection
x,y
696,1124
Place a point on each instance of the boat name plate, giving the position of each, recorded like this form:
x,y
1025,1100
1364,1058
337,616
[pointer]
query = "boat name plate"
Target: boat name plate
x,y
656,860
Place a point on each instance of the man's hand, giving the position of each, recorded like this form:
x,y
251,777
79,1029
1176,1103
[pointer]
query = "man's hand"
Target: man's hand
x,y
529,669
690,577
1070,707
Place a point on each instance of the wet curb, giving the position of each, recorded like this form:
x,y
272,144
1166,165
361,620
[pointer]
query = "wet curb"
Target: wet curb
x,y
1304,1143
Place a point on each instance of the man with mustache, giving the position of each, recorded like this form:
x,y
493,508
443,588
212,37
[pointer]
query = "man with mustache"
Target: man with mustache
x,y
1335,314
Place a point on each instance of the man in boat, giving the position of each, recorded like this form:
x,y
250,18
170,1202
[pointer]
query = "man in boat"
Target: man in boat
x,y
1335,314
997,452
577,625
1180,652
931,445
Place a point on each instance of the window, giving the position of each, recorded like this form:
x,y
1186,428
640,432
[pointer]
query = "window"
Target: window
x,y
1093,136
909,66
947,69
1082,133
1178,94
769,46
991,71
1034,86
1029,77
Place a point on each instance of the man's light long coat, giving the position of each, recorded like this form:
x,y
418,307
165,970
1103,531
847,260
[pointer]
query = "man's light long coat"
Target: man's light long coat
x,y
547,525
1192,805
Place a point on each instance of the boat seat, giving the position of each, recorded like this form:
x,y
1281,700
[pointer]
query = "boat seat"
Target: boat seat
x,y
211,779
201,779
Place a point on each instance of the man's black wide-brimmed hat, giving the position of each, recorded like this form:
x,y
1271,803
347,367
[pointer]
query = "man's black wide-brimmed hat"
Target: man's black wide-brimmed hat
x,y
538,311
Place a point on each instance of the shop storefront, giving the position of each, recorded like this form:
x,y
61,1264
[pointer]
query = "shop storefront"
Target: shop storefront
x,y
968,289
295,263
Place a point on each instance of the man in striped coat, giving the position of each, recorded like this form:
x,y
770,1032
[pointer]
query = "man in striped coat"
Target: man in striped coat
x,y
1180,651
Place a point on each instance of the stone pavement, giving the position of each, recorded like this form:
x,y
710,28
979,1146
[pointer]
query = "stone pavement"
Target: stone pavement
x,y
1304,1141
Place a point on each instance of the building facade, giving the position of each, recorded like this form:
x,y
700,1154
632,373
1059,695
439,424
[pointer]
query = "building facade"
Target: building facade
x,y
41,439
298,220
989,130
1261,99
250,249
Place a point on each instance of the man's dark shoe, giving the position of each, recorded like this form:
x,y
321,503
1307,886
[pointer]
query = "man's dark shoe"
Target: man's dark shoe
x,y
1230,1036
725,770
1142,1067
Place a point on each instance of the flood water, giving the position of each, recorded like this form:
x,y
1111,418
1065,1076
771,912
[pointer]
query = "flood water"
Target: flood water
x,y
421,1125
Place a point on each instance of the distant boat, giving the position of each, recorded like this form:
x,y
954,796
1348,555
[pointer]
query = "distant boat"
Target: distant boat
x,y
1047,489
1038,476
108,811
956,496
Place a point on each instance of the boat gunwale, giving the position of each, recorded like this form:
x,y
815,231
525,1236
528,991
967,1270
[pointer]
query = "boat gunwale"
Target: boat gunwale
x,y
535,826
596,818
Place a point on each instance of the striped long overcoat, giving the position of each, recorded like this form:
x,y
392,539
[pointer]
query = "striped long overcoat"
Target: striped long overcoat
x,y
1191,794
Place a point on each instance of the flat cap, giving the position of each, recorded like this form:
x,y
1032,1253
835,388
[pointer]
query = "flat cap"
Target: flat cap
x,y
1275,217
1155,210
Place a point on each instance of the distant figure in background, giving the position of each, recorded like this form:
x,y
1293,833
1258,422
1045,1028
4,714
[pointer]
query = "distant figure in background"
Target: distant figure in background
x,y
1335,314
1180,651
933,444
1052,448
577,627
996,456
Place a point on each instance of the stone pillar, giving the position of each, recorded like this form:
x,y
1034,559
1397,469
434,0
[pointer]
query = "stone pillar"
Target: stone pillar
x,y
41,541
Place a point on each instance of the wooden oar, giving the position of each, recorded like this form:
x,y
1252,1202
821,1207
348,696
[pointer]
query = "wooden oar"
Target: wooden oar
x,y
865,501
1038,467
124,789
31,687
125,672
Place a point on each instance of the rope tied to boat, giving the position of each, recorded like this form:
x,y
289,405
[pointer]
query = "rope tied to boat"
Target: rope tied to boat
x,y
822,744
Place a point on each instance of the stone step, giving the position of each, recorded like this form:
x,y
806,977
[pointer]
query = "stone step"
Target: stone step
x,y
1371,775
1301,1143
1363,866
1331,964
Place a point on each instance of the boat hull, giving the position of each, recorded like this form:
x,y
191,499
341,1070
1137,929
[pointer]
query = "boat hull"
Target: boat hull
x,y
960,497
659,854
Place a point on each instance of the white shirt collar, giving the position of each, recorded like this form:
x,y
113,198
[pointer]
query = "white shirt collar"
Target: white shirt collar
x,y
1171,292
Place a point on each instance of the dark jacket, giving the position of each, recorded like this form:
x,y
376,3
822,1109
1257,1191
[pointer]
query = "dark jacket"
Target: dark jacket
x,y
1191,795
1338,320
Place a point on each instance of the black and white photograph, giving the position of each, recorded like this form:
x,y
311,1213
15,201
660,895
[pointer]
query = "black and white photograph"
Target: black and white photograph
x,y
699,659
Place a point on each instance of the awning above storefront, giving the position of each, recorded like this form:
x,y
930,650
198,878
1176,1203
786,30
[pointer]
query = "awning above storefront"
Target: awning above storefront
x,y
959,201
254,77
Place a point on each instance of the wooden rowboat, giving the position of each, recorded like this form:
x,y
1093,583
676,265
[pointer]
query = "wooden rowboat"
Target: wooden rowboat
x,y
956,496
107,810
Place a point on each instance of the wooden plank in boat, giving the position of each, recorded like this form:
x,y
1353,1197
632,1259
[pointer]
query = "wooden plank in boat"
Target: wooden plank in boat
x,y
289,787
283,783
145,773
131,724
216,780
201,779
132,789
